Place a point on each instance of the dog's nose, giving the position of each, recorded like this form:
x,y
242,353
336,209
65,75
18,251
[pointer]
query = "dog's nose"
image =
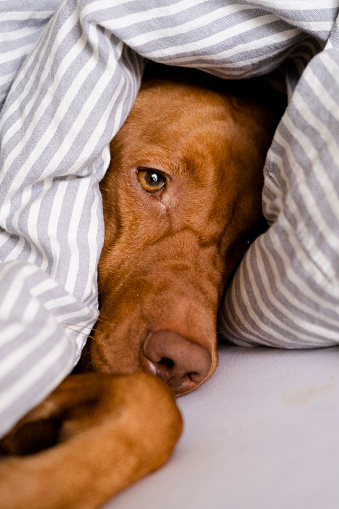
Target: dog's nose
x,y
182,364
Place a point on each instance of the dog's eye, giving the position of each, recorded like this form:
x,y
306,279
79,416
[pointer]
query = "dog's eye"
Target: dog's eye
x,y
151,180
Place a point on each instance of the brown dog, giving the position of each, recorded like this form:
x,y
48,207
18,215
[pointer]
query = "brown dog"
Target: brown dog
x,y
181,205
182,201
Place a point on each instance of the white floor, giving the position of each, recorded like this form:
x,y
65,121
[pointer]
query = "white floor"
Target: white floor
x,y
263,433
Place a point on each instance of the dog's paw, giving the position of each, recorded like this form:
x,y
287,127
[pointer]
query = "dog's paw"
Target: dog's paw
x,y
110,432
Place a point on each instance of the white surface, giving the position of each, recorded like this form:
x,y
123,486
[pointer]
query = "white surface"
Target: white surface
x,y
263,433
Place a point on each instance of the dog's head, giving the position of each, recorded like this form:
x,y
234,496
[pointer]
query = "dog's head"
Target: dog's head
x,y
182,200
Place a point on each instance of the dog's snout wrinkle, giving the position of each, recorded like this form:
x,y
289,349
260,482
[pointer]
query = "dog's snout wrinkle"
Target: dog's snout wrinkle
x,y
181,363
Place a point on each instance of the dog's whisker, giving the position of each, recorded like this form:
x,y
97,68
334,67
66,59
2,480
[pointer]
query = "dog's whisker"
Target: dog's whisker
x,y
75,330
105,320
90,337
78,331
77,325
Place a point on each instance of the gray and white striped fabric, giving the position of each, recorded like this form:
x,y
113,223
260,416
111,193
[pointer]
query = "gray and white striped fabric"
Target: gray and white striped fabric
x,y
69,73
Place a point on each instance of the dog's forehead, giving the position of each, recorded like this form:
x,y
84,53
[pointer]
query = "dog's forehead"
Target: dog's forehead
x,y
181,109
188,128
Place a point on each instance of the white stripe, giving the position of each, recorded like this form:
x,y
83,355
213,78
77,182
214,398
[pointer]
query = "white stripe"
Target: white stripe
x,y
13,54
311,203
243,284
54,221
32,224
139,17
6,79
14,36
306,261
95,135
78,318
32,84
195,48
6,267
9,332
274,338
323,96
172,32
14,290
211,61
297,5
30,312
75,262
95,213
60,302
43,287
31,88
25,15
290,275
271,299
101,126
311,26
82,115
54,123
249,69
31,376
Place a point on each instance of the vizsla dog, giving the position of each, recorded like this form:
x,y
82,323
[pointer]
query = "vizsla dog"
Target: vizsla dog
x,y
182,202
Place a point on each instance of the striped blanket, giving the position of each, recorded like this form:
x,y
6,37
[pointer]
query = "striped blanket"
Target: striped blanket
x,y
69,73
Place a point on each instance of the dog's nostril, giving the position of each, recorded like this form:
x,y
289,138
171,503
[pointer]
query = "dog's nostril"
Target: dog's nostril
x,y
181,363
167,363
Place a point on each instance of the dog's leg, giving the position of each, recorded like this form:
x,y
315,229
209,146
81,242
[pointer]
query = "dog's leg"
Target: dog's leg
x,y
113,431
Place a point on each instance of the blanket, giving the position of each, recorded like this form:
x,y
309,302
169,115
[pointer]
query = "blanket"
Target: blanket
x,y
69,73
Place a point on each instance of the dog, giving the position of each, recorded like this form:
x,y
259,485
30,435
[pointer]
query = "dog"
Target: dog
x,y
182,203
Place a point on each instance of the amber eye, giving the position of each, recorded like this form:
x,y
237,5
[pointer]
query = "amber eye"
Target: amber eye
x,y
151,180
